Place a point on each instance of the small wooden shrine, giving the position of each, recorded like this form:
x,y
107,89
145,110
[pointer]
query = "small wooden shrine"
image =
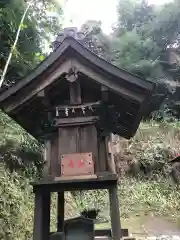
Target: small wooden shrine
x,y
72,102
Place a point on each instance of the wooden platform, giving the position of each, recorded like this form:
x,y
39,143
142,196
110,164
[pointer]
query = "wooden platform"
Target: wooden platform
x,y
44,188
101,182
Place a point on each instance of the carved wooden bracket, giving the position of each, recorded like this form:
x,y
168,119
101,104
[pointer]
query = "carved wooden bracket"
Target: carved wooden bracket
x,y
72,75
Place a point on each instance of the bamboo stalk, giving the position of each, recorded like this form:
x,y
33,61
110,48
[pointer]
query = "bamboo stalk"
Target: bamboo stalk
x,y
13,47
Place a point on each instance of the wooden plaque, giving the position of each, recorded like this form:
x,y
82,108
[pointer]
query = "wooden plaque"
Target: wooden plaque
x,y
77,164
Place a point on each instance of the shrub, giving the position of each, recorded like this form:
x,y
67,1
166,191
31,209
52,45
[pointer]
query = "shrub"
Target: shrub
x,y
152,148
16,206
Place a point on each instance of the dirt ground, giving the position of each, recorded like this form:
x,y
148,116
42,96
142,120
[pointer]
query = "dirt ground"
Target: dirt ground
x,y
150,225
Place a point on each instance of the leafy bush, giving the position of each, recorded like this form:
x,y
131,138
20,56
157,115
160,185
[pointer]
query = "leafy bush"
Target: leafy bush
x,y
18,150
16,206
159,196
152,148
20,157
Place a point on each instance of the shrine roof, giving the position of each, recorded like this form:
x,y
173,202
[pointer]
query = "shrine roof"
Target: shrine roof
x,y
69,47
20,101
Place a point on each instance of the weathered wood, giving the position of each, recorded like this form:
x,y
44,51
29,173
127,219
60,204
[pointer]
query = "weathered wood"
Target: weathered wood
x,y
67,140
76,177
41,94
79,140
77,164
115,213
47,158
102,156
75,93
103,232
88,143
122,90
110,157
38,217
113,165
87,56
60,122
55,169
25,96
77,184
107,232
104,93
41,216
60,211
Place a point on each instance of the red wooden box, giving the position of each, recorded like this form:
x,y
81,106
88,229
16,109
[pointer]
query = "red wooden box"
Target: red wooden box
x,y
77,164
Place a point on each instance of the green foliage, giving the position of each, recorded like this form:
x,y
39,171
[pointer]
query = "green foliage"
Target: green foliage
x,y
134,15
86,200
160,197
21,161
16,208
138,55
18,150
36,29
136,49
97,41
154,144
152,148
148,45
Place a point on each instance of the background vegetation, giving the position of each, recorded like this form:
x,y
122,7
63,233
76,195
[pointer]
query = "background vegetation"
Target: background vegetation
x,y
145,40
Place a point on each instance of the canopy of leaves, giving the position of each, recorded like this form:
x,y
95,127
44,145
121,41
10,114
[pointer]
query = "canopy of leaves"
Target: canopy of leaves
x,y
145,41
40,23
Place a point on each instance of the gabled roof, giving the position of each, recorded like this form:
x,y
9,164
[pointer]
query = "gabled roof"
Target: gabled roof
x,y
72,55
70,43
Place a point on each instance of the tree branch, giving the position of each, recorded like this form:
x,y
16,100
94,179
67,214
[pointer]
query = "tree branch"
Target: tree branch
x,y
14,46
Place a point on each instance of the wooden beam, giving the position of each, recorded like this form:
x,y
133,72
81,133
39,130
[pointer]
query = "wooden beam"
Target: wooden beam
x,y
64,68
102,156
59,122
93,176
104,93
102,182
107,232
60,211
106,81
41,94
43,83
110,155
115,213
87,56
113,165
90,104
41,216
47,158
75,93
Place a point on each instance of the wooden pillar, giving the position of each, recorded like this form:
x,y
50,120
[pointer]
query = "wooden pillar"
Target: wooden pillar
x,y
41,216
115,213
47,158
75,93
110,155
60,212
